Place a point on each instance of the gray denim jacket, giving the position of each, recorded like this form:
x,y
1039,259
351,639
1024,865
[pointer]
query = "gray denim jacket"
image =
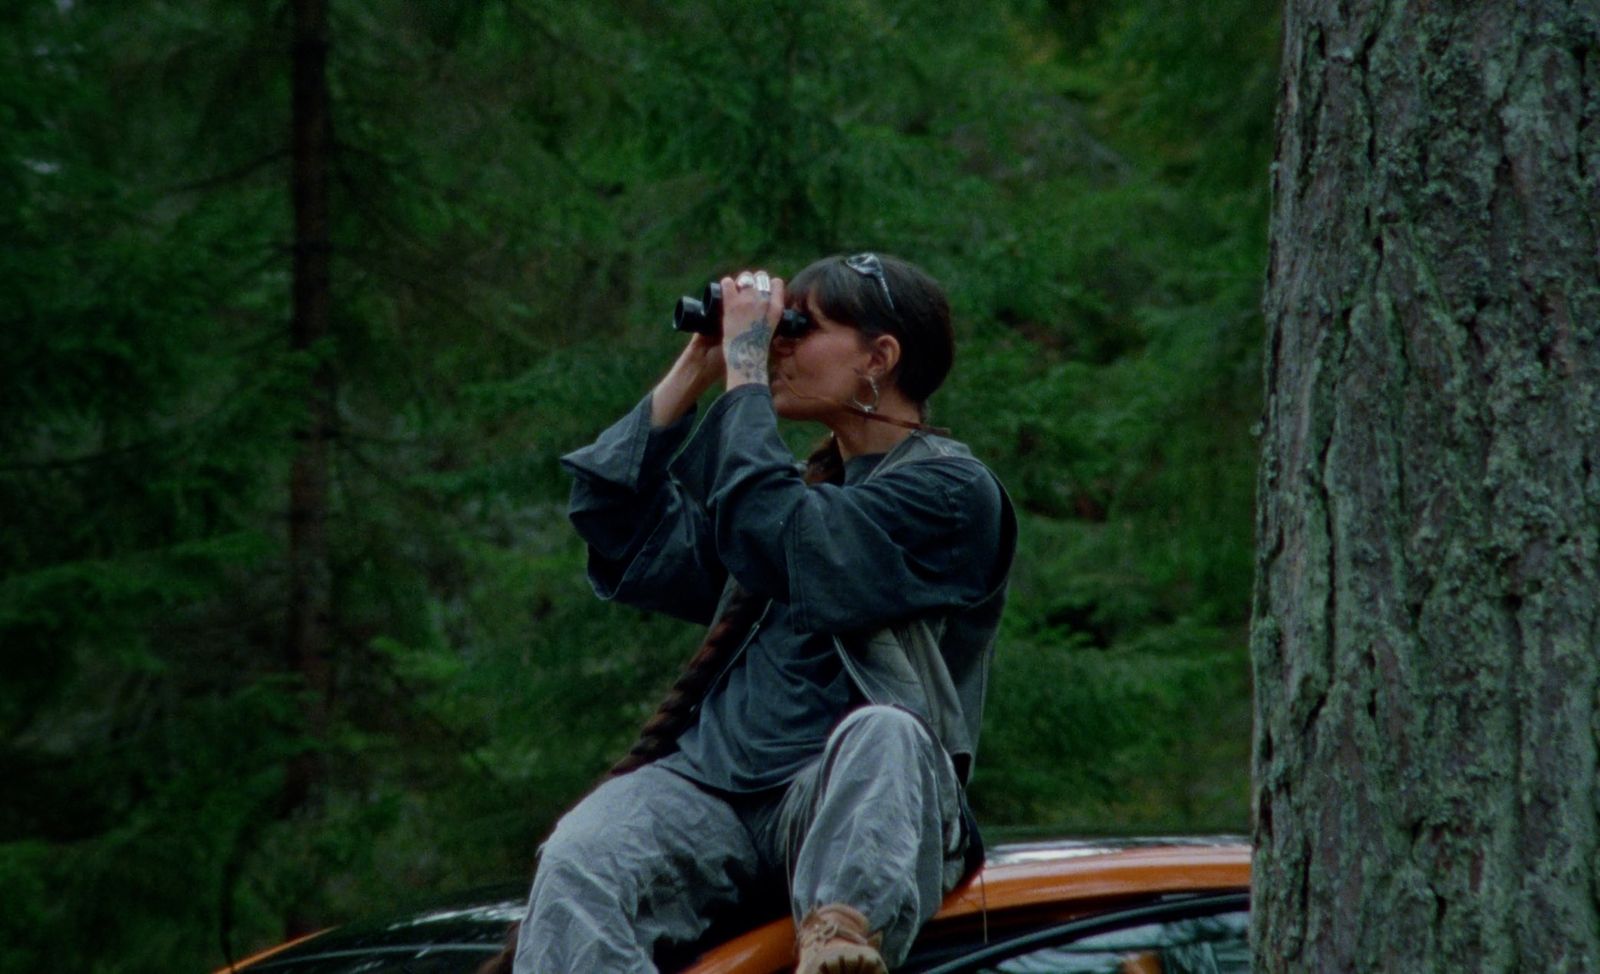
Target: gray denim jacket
x,y
935,665
670,542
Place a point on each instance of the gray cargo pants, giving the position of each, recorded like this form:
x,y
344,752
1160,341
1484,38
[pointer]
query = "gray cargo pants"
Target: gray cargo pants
x,y
874,823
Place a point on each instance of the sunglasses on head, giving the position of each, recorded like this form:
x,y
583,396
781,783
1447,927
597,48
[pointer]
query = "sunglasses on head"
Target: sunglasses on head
x,y
868,265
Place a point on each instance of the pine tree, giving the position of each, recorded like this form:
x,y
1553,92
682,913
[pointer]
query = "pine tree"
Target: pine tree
x,y
1425,615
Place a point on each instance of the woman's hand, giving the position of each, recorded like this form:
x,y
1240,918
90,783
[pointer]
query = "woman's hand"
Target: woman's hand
x,y
749,313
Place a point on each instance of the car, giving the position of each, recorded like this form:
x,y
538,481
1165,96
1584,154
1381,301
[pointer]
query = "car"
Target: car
x,y
1127,906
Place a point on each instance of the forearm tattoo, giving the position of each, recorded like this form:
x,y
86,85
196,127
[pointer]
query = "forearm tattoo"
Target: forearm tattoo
x,y
747,353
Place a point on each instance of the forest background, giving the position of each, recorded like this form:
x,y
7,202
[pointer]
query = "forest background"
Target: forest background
x,y
518,192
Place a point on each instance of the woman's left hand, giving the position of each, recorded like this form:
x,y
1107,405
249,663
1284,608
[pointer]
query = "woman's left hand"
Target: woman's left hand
x,y
749,314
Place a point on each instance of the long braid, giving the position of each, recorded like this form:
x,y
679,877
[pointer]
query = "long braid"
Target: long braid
x,y
659,735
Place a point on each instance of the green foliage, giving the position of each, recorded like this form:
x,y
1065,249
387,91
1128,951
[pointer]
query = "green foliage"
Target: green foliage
x,y
520,190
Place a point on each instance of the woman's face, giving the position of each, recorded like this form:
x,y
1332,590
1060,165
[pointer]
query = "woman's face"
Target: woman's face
x,y
814,376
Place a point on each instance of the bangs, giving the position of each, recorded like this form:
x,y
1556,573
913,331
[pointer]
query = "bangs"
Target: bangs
x,y
917,315
835,290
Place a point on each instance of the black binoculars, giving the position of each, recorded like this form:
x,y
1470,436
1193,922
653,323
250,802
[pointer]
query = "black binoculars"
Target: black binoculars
x,y
703,315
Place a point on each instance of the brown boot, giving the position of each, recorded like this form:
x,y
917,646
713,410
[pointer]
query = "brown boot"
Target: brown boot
x,y
833,939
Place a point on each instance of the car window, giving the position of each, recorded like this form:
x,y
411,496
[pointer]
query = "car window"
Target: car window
x,y
1199,936
1207,945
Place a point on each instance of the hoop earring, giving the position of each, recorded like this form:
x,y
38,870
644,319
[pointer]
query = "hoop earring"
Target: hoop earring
x,y
868,407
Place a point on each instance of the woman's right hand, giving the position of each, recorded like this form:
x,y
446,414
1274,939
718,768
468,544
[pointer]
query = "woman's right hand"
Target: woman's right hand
x,y
698,368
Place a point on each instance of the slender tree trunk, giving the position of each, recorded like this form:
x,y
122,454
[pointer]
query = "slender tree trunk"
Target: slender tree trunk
x,y
1426,637
307,644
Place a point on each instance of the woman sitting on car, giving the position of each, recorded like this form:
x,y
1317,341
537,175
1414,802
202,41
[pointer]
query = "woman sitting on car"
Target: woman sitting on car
x,y
820,741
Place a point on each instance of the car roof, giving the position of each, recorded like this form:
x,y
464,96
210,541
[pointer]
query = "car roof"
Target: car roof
x,y
1020,881
1034,881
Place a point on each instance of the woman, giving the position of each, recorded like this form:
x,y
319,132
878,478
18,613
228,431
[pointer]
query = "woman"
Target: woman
x,y
819,742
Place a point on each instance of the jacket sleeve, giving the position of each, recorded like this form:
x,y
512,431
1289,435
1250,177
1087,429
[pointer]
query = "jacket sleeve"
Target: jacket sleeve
x,y
650,543
920,537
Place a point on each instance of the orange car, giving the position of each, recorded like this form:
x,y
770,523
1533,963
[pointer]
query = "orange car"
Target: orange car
x,y
1149,906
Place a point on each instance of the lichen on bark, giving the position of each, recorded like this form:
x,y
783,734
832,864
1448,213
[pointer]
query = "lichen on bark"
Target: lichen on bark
x,y
1428,586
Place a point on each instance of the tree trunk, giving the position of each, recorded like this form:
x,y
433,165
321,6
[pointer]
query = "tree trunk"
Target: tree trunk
x,y
1427,612
307,638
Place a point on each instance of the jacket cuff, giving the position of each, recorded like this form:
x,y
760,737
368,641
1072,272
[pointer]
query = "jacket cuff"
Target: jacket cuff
x,y
630,453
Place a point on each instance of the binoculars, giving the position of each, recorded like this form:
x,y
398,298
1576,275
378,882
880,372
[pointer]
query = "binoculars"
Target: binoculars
x,y
703,315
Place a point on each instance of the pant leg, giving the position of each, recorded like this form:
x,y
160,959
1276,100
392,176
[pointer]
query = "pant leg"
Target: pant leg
x,y
643,858
876,824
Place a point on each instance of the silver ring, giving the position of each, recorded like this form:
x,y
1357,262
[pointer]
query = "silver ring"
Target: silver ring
x,y
744,280
763,284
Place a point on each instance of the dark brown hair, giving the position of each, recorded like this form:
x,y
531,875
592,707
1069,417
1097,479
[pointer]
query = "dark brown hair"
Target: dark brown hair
x,y
915,312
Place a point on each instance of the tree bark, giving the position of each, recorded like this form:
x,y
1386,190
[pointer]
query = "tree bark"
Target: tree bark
x,y
307,644
1427,604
